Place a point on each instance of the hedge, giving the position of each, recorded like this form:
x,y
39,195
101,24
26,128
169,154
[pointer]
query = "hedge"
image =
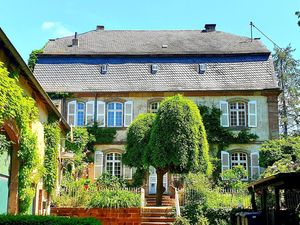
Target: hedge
x,y
45,220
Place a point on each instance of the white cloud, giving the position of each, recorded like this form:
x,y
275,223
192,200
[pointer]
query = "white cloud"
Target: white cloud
x,y
56,29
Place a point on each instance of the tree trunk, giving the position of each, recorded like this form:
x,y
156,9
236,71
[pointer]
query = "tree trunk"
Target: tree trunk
x,y
160,187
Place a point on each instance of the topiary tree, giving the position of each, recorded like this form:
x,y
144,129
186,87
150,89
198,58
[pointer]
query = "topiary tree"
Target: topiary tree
x,y
175,141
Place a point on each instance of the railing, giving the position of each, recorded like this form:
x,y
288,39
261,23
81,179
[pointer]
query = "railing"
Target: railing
x,y
143,198
177,205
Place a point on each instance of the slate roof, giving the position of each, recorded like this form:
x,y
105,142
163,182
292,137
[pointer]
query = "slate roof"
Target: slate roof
x,y
142,42
131,77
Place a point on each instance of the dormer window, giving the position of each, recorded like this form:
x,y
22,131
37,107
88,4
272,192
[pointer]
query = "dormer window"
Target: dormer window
x,y
104,68
154,68
202,68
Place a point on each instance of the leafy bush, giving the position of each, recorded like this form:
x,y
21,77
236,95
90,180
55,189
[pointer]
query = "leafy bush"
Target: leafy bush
x,y
274,150
233,178
115,199
45,220
107,181
202,221
103,135
181,221
285,165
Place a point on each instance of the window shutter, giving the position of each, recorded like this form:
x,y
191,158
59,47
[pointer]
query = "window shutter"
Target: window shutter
x,y
98,164
89,114
225,116
225,161
101,113
72,113
252,114
128,113
255,168
127,172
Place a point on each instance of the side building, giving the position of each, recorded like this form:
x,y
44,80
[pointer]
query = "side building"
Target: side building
x,y
113,76
9,161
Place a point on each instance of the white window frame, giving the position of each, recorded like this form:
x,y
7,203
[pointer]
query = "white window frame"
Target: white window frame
x,y
239,162
150,106
115,113
113,161
238,111
101,114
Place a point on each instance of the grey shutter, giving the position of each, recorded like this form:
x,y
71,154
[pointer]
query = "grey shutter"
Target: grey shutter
x,y
225,163
255,168
252,114
127,172
101,113
98,164
72,113
225,115
128,113
89,114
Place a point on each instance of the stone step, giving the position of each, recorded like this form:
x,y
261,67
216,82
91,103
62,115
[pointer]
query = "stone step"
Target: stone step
x,y
157,223
158,219
157,209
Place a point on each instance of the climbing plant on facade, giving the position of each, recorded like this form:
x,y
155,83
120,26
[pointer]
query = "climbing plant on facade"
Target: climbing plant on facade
x,y
52,140
16,106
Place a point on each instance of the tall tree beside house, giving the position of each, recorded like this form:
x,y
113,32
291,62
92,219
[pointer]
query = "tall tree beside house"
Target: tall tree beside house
x,y
176,139
287,69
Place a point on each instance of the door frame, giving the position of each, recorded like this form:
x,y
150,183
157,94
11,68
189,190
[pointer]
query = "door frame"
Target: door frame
x,y
154,176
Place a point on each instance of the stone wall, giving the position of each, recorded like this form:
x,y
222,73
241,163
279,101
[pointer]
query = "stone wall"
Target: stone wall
x,y
124,216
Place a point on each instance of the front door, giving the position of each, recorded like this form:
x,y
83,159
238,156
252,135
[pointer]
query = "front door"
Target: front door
x,y
153,181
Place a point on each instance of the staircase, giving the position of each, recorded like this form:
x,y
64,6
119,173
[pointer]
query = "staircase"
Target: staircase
x,y
166,200
157,215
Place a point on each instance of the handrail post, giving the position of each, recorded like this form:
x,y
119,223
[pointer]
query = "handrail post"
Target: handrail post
x,y
142,197
177,206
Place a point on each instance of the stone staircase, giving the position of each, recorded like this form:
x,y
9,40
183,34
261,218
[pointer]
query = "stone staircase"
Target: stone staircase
x,y
166,200
163,215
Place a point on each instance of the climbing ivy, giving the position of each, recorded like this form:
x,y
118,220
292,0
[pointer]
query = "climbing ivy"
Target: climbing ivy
x,y
103,135
52,140
4,144
33,58
15,105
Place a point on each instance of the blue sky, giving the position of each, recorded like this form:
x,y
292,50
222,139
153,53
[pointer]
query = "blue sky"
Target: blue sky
x,y
29,24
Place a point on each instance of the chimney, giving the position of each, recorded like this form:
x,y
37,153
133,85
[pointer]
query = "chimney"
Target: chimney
x,y
210,27
99,27
75,41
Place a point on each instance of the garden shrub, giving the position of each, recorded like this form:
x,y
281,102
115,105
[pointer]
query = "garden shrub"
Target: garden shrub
x,y
181,221
108,181
45,220
115,199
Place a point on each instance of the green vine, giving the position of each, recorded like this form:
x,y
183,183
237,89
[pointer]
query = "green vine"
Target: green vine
x,y
33,58
103,135
15,105
4,144
60,95
52,140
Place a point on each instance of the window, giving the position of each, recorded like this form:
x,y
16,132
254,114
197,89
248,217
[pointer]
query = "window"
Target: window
x,y
80,114
115,114
113,164
239,159
237,112
154,107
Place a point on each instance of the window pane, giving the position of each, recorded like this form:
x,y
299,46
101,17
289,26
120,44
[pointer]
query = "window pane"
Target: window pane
x,y
117,156
110,106
109,168
80,118
80,106
117,169
233,118
118,105
109,156
119,119
110,119
242,118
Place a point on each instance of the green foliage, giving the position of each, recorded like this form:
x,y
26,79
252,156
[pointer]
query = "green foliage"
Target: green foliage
x,y
274,150
33,58
298,15
5,145
103,135
287,69
115,199
52,140
233,178
181,221
15,105
45,220
222,136
108,181
60,95
206,201
176,136
138,136
139,177
284,165
79,144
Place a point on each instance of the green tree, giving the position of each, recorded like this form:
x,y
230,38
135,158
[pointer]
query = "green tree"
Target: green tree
x,y
298,15
287,69
175,141
33,58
